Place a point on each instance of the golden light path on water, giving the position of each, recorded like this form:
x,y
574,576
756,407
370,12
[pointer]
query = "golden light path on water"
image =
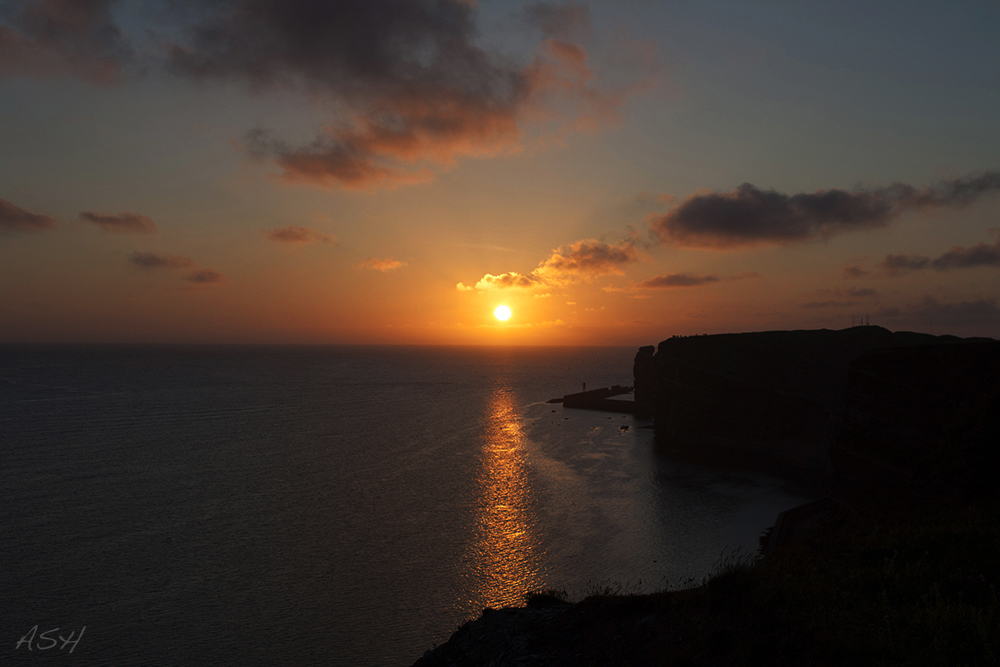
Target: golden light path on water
x,y
506,546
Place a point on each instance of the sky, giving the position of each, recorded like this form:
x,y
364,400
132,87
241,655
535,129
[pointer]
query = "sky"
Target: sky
x,y
391,171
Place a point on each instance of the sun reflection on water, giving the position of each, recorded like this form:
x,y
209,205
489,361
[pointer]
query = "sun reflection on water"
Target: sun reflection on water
x,y
505,551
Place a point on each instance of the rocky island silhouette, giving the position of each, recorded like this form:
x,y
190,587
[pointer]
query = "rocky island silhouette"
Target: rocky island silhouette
x,y
895,564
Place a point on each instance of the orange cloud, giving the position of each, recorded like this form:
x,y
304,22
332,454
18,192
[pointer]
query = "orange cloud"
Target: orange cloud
x,y
400,139
511,279
292,234
587,259
374,264
581,260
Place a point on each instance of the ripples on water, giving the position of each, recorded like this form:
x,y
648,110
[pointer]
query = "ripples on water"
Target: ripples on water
x,y
328,505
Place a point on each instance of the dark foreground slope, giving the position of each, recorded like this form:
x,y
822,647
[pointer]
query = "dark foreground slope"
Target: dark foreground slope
x,y
903,568
874,588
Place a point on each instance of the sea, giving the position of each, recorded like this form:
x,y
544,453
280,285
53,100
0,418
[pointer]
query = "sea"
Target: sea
x,y
330,505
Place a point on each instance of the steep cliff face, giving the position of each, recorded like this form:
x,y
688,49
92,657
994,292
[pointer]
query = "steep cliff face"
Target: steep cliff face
x,y
928,410
779,396
644,380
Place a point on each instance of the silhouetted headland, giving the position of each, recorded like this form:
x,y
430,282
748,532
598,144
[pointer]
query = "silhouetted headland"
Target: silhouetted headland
x,y
895,564
779,400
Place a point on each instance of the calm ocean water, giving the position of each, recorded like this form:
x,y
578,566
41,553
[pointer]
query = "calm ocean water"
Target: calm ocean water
x,y
328,505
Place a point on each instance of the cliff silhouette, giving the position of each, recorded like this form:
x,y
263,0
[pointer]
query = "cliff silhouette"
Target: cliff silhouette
x,y
897,565
783,400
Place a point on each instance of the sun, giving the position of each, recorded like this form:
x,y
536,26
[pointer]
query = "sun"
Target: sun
x,y
502,313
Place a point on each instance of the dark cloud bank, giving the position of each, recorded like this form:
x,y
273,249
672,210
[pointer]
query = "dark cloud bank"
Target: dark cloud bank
x,y
407,79
750,216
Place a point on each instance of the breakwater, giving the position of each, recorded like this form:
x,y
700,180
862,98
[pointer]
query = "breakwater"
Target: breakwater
x,y
601,399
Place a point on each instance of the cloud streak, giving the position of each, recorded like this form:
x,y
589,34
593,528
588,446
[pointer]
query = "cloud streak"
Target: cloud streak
x,y
297,235
750,216
958,257
668,280
123,223
205,276
152,260
15,219
827,304
383,265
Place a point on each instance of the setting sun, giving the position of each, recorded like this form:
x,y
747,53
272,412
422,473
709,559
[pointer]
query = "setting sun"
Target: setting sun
x,y
502,313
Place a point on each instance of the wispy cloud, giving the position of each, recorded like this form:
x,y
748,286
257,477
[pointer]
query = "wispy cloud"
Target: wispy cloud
x,y
205,276
672,281
375,264
52,38
895,265
749,216
668,280
836,297
16,219
152,260
854,271
123,223
827,304
298,235
958,257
